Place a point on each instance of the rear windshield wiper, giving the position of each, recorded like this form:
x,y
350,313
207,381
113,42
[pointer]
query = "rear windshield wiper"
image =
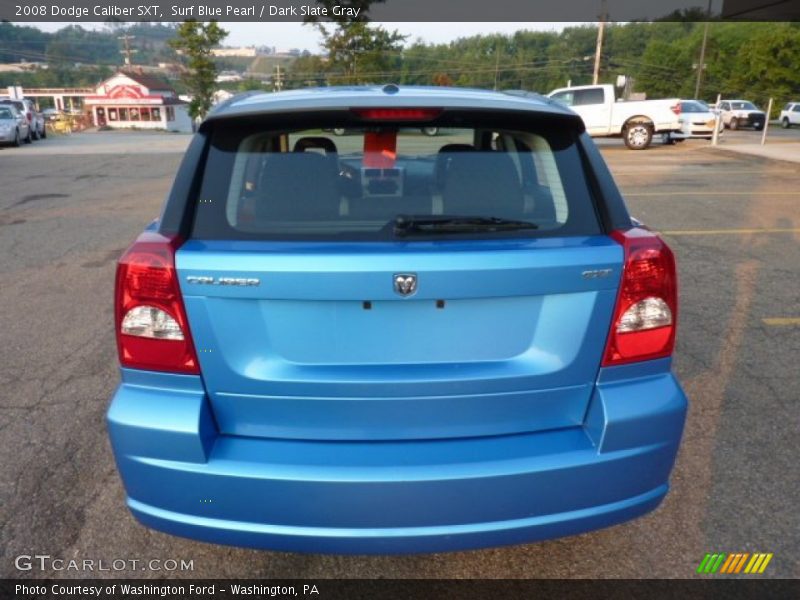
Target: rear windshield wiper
x,y
408,224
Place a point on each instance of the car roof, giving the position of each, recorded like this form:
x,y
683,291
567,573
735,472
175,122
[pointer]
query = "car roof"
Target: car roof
x,y
394,96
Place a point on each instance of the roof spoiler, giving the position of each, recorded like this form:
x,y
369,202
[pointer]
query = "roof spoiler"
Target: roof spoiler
x,y
235,98
528,95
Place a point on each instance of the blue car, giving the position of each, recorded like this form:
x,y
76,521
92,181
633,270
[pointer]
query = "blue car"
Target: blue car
x,y
388,342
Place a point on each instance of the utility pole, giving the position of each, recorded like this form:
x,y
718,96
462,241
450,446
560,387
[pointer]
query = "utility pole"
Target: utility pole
x,y
601,27
278,84
496,63
702,65
128,51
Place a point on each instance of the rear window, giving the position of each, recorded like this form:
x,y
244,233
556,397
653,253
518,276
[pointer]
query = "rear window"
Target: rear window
x,y
18,105
590,96
689,107
355,182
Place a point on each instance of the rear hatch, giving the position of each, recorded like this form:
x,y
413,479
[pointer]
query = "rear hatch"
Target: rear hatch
x,y
316,316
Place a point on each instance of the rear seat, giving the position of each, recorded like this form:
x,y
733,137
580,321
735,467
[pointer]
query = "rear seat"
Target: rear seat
x,y
482,183
293,179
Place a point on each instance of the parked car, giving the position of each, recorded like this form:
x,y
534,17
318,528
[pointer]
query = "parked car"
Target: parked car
x,y
51,114
14,127
406,346
790,115
741,113
604,116
697,121
34,117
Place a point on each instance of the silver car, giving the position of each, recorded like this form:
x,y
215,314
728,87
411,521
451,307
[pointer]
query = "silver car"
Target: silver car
x,y
14,127
697,121
35,119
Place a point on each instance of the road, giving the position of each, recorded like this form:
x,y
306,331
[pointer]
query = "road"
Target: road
x,y
69,206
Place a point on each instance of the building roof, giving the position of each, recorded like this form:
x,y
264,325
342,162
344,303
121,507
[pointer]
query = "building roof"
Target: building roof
x,y
151,82
345,97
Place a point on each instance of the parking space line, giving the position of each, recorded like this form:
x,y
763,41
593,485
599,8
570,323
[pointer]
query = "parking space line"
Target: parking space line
x,y
704,171
781,321
700,193
730,231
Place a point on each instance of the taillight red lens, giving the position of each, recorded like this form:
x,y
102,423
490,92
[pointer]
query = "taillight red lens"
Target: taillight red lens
x,y
646,313
397,114
676,108
151,324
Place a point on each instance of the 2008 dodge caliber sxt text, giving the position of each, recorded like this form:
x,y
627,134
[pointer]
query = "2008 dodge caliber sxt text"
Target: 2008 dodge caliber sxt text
x,y
385,341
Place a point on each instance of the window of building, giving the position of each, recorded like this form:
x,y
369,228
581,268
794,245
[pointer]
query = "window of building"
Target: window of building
x,y
112,114
145,114
123,114
155,114
170,113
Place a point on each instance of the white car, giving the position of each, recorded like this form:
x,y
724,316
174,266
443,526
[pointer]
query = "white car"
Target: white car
x,y
697,121
741,113
790,115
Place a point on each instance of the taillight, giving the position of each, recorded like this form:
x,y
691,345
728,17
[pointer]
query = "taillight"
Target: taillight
x,y
151,324
397,114
645,316
30,117
676,108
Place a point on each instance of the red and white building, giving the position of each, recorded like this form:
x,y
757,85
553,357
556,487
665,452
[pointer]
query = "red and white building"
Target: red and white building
x,y
132,100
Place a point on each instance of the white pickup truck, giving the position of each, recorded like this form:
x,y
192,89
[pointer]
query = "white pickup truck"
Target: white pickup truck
x,y
635,121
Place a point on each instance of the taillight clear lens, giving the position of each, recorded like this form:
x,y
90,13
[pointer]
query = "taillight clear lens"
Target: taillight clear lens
x,y
151,322
152,328
645,315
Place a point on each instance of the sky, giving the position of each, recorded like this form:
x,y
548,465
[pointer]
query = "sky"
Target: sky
x,y
284,36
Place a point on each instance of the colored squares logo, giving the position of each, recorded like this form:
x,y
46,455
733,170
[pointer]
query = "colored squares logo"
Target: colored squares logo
x,y
739,562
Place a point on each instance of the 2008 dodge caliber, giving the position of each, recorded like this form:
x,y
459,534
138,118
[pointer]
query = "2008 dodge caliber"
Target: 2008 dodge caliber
x,y
389,342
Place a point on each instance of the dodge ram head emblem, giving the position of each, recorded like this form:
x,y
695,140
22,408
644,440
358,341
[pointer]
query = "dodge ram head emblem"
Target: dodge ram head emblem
x,y
405,284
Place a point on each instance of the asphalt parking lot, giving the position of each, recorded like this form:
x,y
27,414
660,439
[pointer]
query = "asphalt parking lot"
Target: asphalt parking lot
x,y
70,205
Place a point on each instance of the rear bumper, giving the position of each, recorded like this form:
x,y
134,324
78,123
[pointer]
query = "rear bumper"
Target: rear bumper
x,y
183,478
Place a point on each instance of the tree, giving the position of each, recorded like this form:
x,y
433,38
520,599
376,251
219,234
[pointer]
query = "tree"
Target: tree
x,y
665,70
767,65
308,70
194,41
442,79
361,53
357,51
